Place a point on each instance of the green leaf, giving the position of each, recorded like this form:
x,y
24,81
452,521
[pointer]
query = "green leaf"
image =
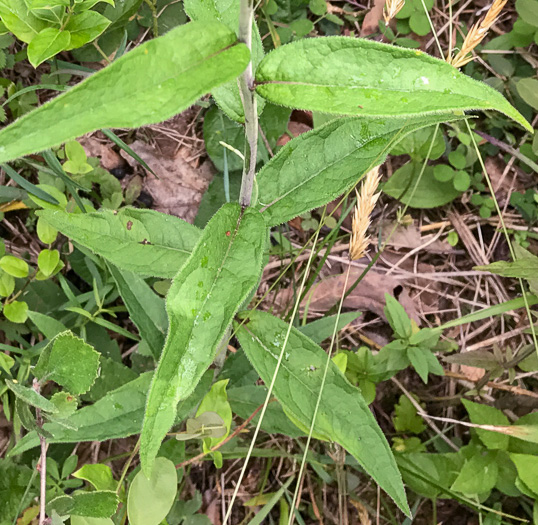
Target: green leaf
x,y
14,266
16,311
45,232
428,193
83,520
46,324
35,193
65,403
48,43
353,76
227,12
146,308
7,284
151,498
397,317
155,81
343,415
68,361
223,269
323,328
320,165
216,400
96,504
21,22
406,417
118,414
47,261
145,242
478,475
246,399
485,415
99,475
527,10
419,361
527,470
526,268
31,397
85,27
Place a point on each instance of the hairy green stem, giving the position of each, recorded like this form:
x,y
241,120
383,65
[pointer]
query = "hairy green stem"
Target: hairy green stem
x,y
248,97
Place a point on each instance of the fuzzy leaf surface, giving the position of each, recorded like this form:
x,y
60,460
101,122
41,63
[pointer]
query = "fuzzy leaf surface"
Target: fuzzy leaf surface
x,y
343,415
117,415
145,242
318,166
223,269
155,81
353,76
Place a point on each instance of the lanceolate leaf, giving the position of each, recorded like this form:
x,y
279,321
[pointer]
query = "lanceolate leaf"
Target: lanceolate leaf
x,y
145,242
118,414
320,165
149,84
145,307
209,289
352,76
343,414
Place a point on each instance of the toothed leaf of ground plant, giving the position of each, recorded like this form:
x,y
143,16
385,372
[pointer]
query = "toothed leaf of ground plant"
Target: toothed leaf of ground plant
x,y
146,308
343,416
353,76
227,96
320,165
117,415
223,269
151,498
155,81
68,361
145,242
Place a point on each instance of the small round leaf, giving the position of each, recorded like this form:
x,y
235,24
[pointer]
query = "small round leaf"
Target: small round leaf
x,y
16,312
14,266
47,261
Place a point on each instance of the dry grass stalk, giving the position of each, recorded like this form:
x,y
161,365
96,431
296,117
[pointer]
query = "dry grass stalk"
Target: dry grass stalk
x,y
366,201
391,9
477,34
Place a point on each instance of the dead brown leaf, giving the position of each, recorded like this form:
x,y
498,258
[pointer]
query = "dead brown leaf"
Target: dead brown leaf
x,y
370,23
178,187
409,237
95,148
369,295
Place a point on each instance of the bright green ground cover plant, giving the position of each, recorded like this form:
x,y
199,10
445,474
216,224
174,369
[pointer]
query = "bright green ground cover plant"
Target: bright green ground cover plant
x,y
385,91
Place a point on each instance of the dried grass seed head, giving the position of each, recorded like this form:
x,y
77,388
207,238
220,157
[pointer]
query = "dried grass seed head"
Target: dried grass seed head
x,y
477,34
391,9
366,201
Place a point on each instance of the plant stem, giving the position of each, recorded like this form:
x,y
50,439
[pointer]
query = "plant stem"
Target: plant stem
x,y
42,465
248,97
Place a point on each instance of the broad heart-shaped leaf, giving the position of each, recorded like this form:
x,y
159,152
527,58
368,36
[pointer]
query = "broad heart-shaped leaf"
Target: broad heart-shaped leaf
x,y
145,242
68,361
151,498
47,44
223,269
353,76
118,414
320,165
343,415
147,85
145,307
227,11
